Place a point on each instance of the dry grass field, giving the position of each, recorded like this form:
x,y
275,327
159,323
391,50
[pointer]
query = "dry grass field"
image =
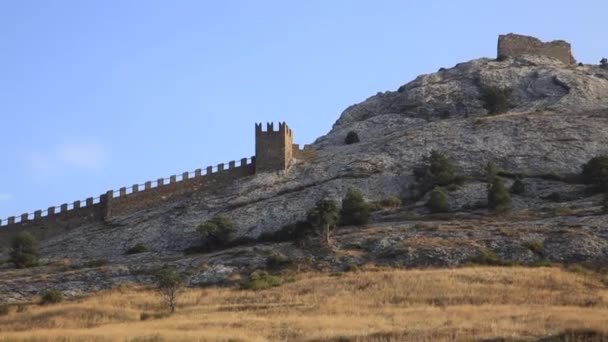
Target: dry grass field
x,y
461,304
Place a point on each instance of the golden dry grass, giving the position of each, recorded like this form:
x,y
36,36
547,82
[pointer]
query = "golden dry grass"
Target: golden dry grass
x,y
370,305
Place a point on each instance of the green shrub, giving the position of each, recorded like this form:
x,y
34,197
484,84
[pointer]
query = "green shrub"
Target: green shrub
x,y
580,269
168,284
518,187
438,201
391,202
595,172
604,63
355,210
490,258
51,297
496,100
491,172
216,232
260,280
323,218
351,138
351,268
277,260
536,247
437,170
499,198
138,248
24,250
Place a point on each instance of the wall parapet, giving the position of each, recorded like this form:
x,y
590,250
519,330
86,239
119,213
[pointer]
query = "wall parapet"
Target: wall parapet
x,y
109,202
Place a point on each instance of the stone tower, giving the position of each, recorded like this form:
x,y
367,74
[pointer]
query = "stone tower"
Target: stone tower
x,y
273,150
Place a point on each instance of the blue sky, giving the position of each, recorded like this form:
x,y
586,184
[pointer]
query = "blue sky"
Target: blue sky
x,y
95,95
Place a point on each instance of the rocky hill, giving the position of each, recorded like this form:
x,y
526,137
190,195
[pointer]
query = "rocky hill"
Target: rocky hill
x,y
557,119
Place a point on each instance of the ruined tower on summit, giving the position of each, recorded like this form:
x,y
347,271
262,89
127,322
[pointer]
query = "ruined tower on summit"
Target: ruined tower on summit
x,y
513,45
273,149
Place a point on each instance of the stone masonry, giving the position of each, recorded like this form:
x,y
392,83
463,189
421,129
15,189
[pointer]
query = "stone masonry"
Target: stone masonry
x,y
275,151
513,45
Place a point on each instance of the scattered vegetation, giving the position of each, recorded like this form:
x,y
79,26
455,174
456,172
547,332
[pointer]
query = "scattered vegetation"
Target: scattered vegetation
x,y
53,296
367,305
496,100
490,258
24,250
355,210
351,268
390,202
595,172
323,218
437,170
260,280
499,198
277,259
518,187
536,247
138,248
604,63
491,172
168,284
351,138
216,233
438,201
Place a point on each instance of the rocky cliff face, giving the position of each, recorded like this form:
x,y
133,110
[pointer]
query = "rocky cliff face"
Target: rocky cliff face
x,y
558,120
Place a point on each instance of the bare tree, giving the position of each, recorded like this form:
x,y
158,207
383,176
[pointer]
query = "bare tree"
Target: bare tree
x,y
169,284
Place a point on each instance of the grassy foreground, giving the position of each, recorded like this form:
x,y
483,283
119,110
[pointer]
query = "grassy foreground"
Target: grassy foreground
x,y
369,305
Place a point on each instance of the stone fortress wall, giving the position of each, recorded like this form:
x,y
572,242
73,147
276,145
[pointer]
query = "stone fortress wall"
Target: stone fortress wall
x,y
275,151
513,45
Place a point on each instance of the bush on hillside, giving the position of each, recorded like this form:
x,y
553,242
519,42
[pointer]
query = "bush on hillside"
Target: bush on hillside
x,y
51,297
323,218
355,210
604,63
438,201
168,284
216,232
496,100
24,250
351,138
595,172
518,187
277,260
260,280
499,198
138,248
437,170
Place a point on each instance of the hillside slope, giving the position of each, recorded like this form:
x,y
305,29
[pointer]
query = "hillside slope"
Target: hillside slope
x,y
557,121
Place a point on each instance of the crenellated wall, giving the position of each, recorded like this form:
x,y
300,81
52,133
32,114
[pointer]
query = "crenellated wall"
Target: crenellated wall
x,y
274,152
139,197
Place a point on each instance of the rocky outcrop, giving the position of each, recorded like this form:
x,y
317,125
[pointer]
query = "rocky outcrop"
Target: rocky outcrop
x,y
557,120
